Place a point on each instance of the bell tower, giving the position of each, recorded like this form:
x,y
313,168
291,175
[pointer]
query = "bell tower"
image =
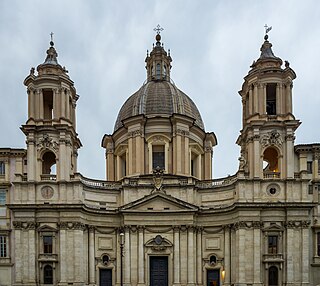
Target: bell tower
x,y
268,124
52,141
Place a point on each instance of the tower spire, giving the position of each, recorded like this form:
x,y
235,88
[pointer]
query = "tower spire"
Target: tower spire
x,y
158,62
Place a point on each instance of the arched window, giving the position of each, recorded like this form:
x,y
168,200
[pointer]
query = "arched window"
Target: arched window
x,y
48,163
273,276
47,275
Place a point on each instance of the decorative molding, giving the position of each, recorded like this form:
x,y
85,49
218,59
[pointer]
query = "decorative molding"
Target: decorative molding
x,y
25,225
247,225
72,225
297,224
181,132
290,137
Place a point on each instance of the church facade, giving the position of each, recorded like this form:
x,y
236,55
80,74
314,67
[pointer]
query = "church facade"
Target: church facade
x,y
160,218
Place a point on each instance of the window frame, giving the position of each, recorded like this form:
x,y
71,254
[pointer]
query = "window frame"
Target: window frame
x,y
4,243
47,247
3,202
273,247
2,168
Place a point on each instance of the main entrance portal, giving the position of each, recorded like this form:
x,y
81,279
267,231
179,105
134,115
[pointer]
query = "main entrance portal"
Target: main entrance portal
x,y
158,271
213,277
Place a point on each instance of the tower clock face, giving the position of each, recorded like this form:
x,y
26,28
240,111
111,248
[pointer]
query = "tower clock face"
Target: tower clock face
x,y
47,192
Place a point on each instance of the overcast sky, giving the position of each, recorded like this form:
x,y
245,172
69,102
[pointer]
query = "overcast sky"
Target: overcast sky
x,y
103,45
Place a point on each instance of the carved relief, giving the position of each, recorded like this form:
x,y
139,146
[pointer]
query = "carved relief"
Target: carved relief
x,y
157,179
47,192
46,142
159,243
272,138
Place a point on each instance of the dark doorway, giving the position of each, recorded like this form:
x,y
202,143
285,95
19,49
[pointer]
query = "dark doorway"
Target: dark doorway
x,y
213,277
273,276
158,271
105,277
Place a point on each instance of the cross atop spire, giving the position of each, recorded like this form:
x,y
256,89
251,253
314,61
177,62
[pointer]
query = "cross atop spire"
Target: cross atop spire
x,y
158,29
51,42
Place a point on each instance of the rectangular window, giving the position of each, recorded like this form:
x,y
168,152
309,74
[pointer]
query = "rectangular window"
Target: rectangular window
x,y
158,157
272,244
309,167
47,244
2,168
310,189
3,197
3,246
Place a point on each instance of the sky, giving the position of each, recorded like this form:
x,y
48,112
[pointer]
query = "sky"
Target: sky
x,y
103,45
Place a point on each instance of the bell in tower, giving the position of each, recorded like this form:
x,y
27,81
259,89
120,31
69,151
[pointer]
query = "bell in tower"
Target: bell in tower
x,y
267,136
52,141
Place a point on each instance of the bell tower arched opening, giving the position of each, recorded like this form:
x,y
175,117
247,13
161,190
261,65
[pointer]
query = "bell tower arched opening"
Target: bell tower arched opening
x,y
49,163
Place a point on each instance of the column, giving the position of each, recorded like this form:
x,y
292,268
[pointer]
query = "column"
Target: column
x,y
62,104
227,265
290,156
255,98
63,256
278,99
256,154
260,98
305,255
61,164
264,99
242,261
191,264
18,260
178,152
32,256
257,255
141,256
127,255
186,156
250,101
130,152
91,256
289,258
176,256
67,103
55,103
41,114
199,256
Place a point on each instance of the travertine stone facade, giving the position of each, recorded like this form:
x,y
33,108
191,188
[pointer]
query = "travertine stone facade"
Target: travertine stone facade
x,y
160,218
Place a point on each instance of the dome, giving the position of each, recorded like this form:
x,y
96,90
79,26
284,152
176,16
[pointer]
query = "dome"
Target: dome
x,y
159,98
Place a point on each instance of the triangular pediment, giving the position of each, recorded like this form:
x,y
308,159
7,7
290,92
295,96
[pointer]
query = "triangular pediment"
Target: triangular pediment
x,y
159,202
273,227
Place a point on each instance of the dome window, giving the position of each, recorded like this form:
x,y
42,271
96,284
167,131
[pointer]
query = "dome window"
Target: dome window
x,y
158,71
158,157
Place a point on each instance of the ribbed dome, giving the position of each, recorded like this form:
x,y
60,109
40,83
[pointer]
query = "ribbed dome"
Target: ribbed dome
x,y
158,98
